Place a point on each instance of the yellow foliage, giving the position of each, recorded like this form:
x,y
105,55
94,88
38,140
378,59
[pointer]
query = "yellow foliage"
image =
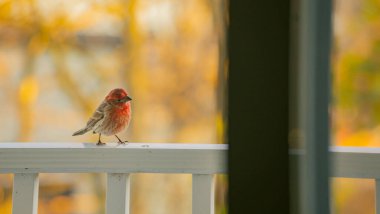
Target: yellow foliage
x,y
86,203
360,138
220,128
6,206
28,91
61,205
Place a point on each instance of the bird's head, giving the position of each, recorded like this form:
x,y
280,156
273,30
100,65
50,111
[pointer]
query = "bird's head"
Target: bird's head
x,y
118,96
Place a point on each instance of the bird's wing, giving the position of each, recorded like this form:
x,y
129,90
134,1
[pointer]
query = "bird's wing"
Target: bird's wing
x,y
97,116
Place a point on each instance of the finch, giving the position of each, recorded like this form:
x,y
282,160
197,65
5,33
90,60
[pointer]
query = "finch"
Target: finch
x,y
111,117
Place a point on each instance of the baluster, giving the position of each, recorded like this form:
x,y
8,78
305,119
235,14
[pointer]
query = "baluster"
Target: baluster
x,y
25,193
118,193
203,193
377,195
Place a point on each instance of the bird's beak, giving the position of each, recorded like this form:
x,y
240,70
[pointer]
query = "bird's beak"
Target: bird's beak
x,y
126,99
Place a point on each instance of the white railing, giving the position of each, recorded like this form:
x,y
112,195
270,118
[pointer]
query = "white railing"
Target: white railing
x,y
358,162
351,162
26,160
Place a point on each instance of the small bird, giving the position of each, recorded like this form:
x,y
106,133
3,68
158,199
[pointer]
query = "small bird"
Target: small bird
x,y
111,117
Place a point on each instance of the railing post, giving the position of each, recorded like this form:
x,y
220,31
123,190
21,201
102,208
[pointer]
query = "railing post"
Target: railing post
x,y
118,193
25,193
203,194
377,195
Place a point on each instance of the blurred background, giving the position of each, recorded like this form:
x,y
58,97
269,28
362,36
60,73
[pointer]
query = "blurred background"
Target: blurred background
x,y
59,59
356,95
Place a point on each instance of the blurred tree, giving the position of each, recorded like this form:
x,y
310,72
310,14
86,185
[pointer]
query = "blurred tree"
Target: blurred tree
x,y
356,92
59,58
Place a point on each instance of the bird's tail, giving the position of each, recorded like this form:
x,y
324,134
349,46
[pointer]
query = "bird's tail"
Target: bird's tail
x,y
81,131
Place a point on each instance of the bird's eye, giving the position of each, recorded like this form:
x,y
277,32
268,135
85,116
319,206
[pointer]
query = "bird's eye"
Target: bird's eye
x,y
119,100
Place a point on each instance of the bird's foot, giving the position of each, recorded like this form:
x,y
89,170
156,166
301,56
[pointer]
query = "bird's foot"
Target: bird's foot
x,y
100,143
122,142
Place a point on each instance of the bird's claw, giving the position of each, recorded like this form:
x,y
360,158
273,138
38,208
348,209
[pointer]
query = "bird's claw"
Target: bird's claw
x,y
123,142
100,143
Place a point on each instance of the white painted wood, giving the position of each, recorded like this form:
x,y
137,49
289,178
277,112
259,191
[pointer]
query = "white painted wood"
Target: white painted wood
x,y
25,193
377,195
113,158
349,162
118,193
355,162
203,194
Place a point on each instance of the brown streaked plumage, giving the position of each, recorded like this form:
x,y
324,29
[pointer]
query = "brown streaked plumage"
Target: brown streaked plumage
x,y
111,117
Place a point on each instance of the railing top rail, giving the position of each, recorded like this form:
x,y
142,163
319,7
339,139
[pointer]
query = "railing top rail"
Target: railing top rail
x,y
129,158
349,162
129,145
355,162
355,149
